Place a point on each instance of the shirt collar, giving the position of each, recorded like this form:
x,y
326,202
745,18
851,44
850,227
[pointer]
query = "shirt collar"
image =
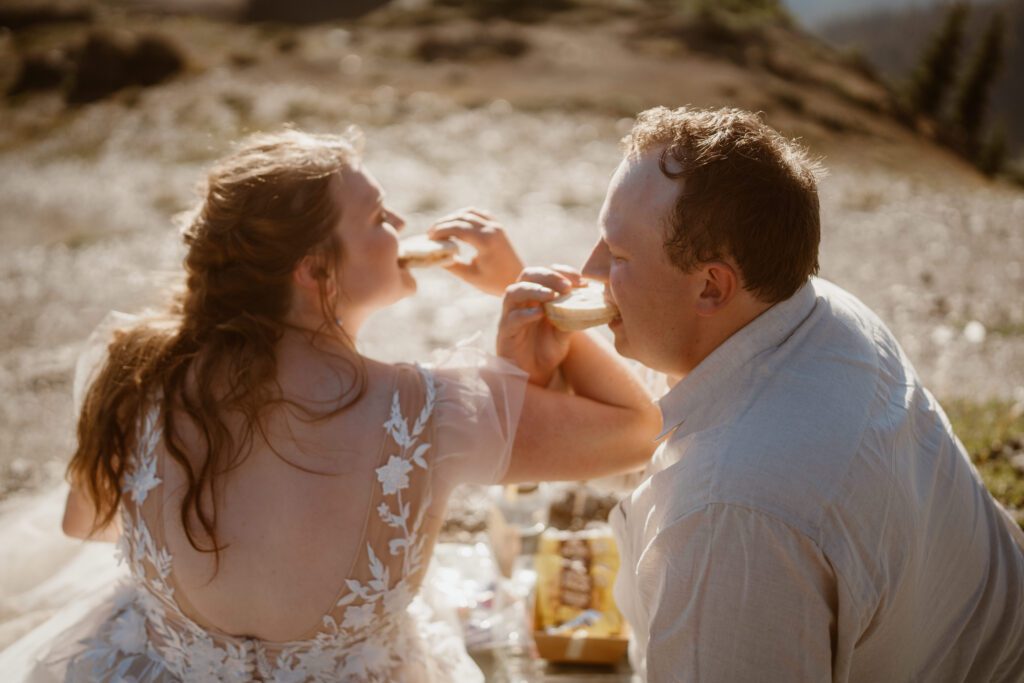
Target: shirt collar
x,y
768,330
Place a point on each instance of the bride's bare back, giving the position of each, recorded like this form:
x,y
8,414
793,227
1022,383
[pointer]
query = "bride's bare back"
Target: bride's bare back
x,y
290,536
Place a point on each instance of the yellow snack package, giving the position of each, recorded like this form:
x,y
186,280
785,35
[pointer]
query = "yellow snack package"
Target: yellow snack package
x,y
575,575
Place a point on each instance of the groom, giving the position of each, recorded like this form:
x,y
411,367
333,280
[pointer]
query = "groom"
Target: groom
x,y
810,515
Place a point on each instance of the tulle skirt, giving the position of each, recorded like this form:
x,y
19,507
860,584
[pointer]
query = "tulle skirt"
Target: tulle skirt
x,y
54,591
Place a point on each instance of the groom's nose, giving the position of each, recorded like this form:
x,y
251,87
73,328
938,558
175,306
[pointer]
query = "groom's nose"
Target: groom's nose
x,y
596,267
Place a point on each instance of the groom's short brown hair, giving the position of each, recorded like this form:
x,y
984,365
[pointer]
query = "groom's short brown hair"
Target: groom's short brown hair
x,y
747,193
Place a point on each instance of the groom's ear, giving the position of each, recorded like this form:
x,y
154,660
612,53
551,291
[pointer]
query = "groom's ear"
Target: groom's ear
x,y
721,282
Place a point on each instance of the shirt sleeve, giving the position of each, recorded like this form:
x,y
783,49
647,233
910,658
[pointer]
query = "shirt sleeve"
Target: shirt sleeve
x,y
736,595
479,400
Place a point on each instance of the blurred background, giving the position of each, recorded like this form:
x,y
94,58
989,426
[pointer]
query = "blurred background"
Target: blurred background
x,y
112,110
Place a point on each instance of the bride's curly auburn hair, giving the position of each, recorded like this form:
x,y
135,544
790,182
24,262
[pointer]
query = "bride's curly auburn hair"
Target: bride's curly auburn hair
x,y
267,206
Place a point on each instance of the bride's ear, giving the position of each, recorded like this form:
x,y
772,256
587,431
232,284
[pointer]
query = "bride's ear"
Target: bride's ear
x,y
309,273
305,274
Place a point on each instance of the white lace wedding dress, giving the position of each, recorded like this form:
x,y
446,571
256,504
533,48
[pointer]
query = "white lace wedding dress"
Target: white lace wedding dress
x,y
450,422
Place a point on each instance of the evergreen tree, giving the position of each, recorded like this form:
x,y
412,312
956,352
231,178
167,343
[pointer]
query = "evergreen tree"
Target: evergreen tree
x,y
992,156
972,99
934,75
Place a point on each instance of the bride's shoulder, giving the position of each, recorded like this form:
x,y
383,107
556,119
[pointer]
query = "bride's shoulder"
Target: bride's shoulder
x,y
383,374
440,365
404,382
464,376
468,360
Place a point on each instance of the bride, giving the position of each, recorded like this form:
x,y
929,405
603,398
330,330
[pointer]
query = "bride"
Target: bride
x,y
275,493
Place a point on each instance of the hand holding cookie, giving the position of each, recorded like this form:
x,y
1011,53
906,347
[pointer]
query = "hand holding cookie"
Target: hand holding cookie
x,y
495,265
525,335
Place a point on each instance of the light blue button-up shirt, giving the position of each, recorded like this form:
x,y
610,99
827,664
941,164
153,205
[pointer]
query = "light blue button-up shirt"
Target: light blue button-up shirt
x,y
812,517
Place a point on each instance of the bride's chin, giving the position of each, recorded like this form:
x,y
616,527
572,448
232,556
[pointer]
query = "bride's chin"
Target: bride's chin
x,y
409,284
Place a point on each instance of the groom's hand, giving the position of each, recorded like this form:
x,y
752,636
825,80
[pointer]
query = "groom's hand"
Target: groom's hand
x,y
525,336
495,265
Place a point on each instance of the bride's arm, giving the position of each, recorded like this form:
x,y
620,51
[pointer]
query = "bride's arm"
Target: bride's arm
x,y
80,518
588,363
607,426
595,370
569,437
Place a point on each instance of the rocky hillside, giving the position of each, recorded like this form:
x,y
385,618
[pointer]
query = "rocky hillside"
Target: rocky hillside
x,y
892,40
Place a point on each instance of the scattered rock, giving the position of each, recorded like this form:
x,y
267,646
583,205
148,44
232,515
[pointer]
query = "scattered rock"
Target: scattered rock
x,y
46,71
527,11
243,60
21,15
942,335
309,11
100,68
102,65
107,63
477,46
1011,450
790,100
155,59
287,44
974,332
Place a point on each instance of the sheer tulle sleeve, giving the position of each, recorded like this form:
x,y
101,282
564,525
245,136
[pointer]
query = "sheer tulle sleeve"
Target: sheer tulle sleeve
x,y
95,353
478,403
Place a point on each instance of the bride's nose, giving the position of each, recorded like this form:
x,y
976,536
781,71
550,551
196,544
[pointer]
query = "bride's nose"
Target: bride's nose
x,y
397,221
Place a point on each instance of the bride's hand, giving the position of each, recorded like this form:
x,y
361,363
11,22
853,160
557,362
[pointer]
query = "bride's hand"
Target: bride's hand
x,y
525,336
495,265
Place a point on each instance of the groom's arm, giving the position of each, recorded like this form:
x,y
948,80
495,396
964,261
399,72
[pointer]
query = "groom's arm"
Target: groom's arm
x,y
736,595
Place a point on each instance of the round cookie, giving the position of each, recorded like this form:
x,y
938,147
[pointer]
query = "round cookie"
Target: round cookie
x,y
419,251
581,308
